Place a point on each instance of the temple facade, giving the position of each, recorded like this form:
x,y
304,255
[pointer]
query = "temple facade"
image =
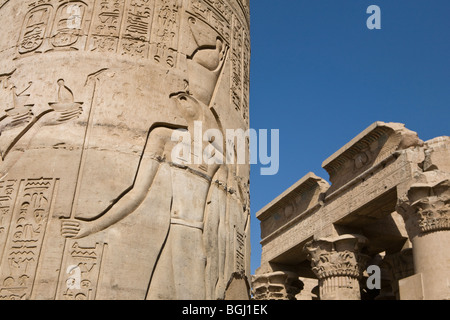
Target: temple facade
x,y
380,230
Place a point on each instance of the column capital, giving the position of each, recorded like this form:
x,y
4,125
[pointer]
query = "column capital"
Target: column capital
x,y
426,207
338,256
279,285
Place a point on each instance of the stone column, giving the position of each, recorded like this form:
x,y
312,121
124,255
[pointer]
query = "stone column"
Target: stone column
x,y
399,265
339,266
309,290
279,285
115,178
426,211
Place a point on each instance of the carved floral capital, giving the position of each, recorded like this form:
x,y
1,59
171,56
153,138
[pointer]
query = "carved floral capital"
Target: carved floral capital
x,y
338,257
278,285
426,208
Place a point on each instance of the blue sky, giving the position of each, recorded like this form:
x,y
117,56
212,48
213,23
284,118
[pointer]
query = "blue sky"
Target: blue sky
x,y
320,76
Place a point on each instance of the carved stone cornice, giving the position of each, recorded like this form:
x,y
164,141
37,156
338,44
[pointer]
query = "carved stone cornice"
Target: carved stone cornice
x,y
426,208
337,257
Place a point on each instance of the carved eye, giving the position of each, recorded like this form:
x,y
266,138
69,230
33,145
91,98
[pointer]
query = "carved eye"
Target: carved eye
x,y
192,20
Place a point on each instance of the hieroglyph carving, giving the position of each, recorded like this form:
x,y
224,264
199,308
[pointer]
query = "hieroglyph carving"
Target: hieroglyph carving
x,y
81,271
240,59
165,33
19,123
137,28
138,22
35,28
27,219
106,24
68,25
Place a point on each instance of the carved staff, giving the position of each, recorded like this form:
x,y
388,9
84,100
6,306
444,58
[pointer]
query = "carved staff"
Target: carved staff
x,y
95,78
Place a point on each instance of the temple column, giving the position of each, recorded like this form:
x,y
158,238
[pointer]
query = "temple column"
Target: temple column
x,y
279,285
399,265
426,210
339,266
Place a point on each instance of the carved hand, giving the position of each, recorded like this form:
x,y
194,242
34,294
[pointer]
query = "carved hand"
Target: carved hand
x,y
13,121
75,229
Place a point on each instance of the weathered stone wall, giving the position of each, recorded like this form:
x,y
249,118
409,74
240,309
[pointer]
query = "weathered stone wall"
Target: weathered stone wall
x,y
93,205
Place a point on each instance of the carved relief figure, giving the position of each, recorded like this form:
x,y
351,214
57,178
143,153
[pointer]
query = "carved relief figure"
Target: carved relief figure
x,y
187,183
174,54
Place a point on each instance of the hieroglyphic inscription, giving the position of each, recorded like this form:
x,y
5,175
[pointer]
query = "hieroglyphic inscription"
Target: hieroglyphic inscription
x,y
46,29
222,7
138,22
23,245
353,199
293,235
35,27
246,11
69,24
246,77
368,190
165,33
8,192
107,21
80,272
240,72
236,59
217,15
240,251
136,28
